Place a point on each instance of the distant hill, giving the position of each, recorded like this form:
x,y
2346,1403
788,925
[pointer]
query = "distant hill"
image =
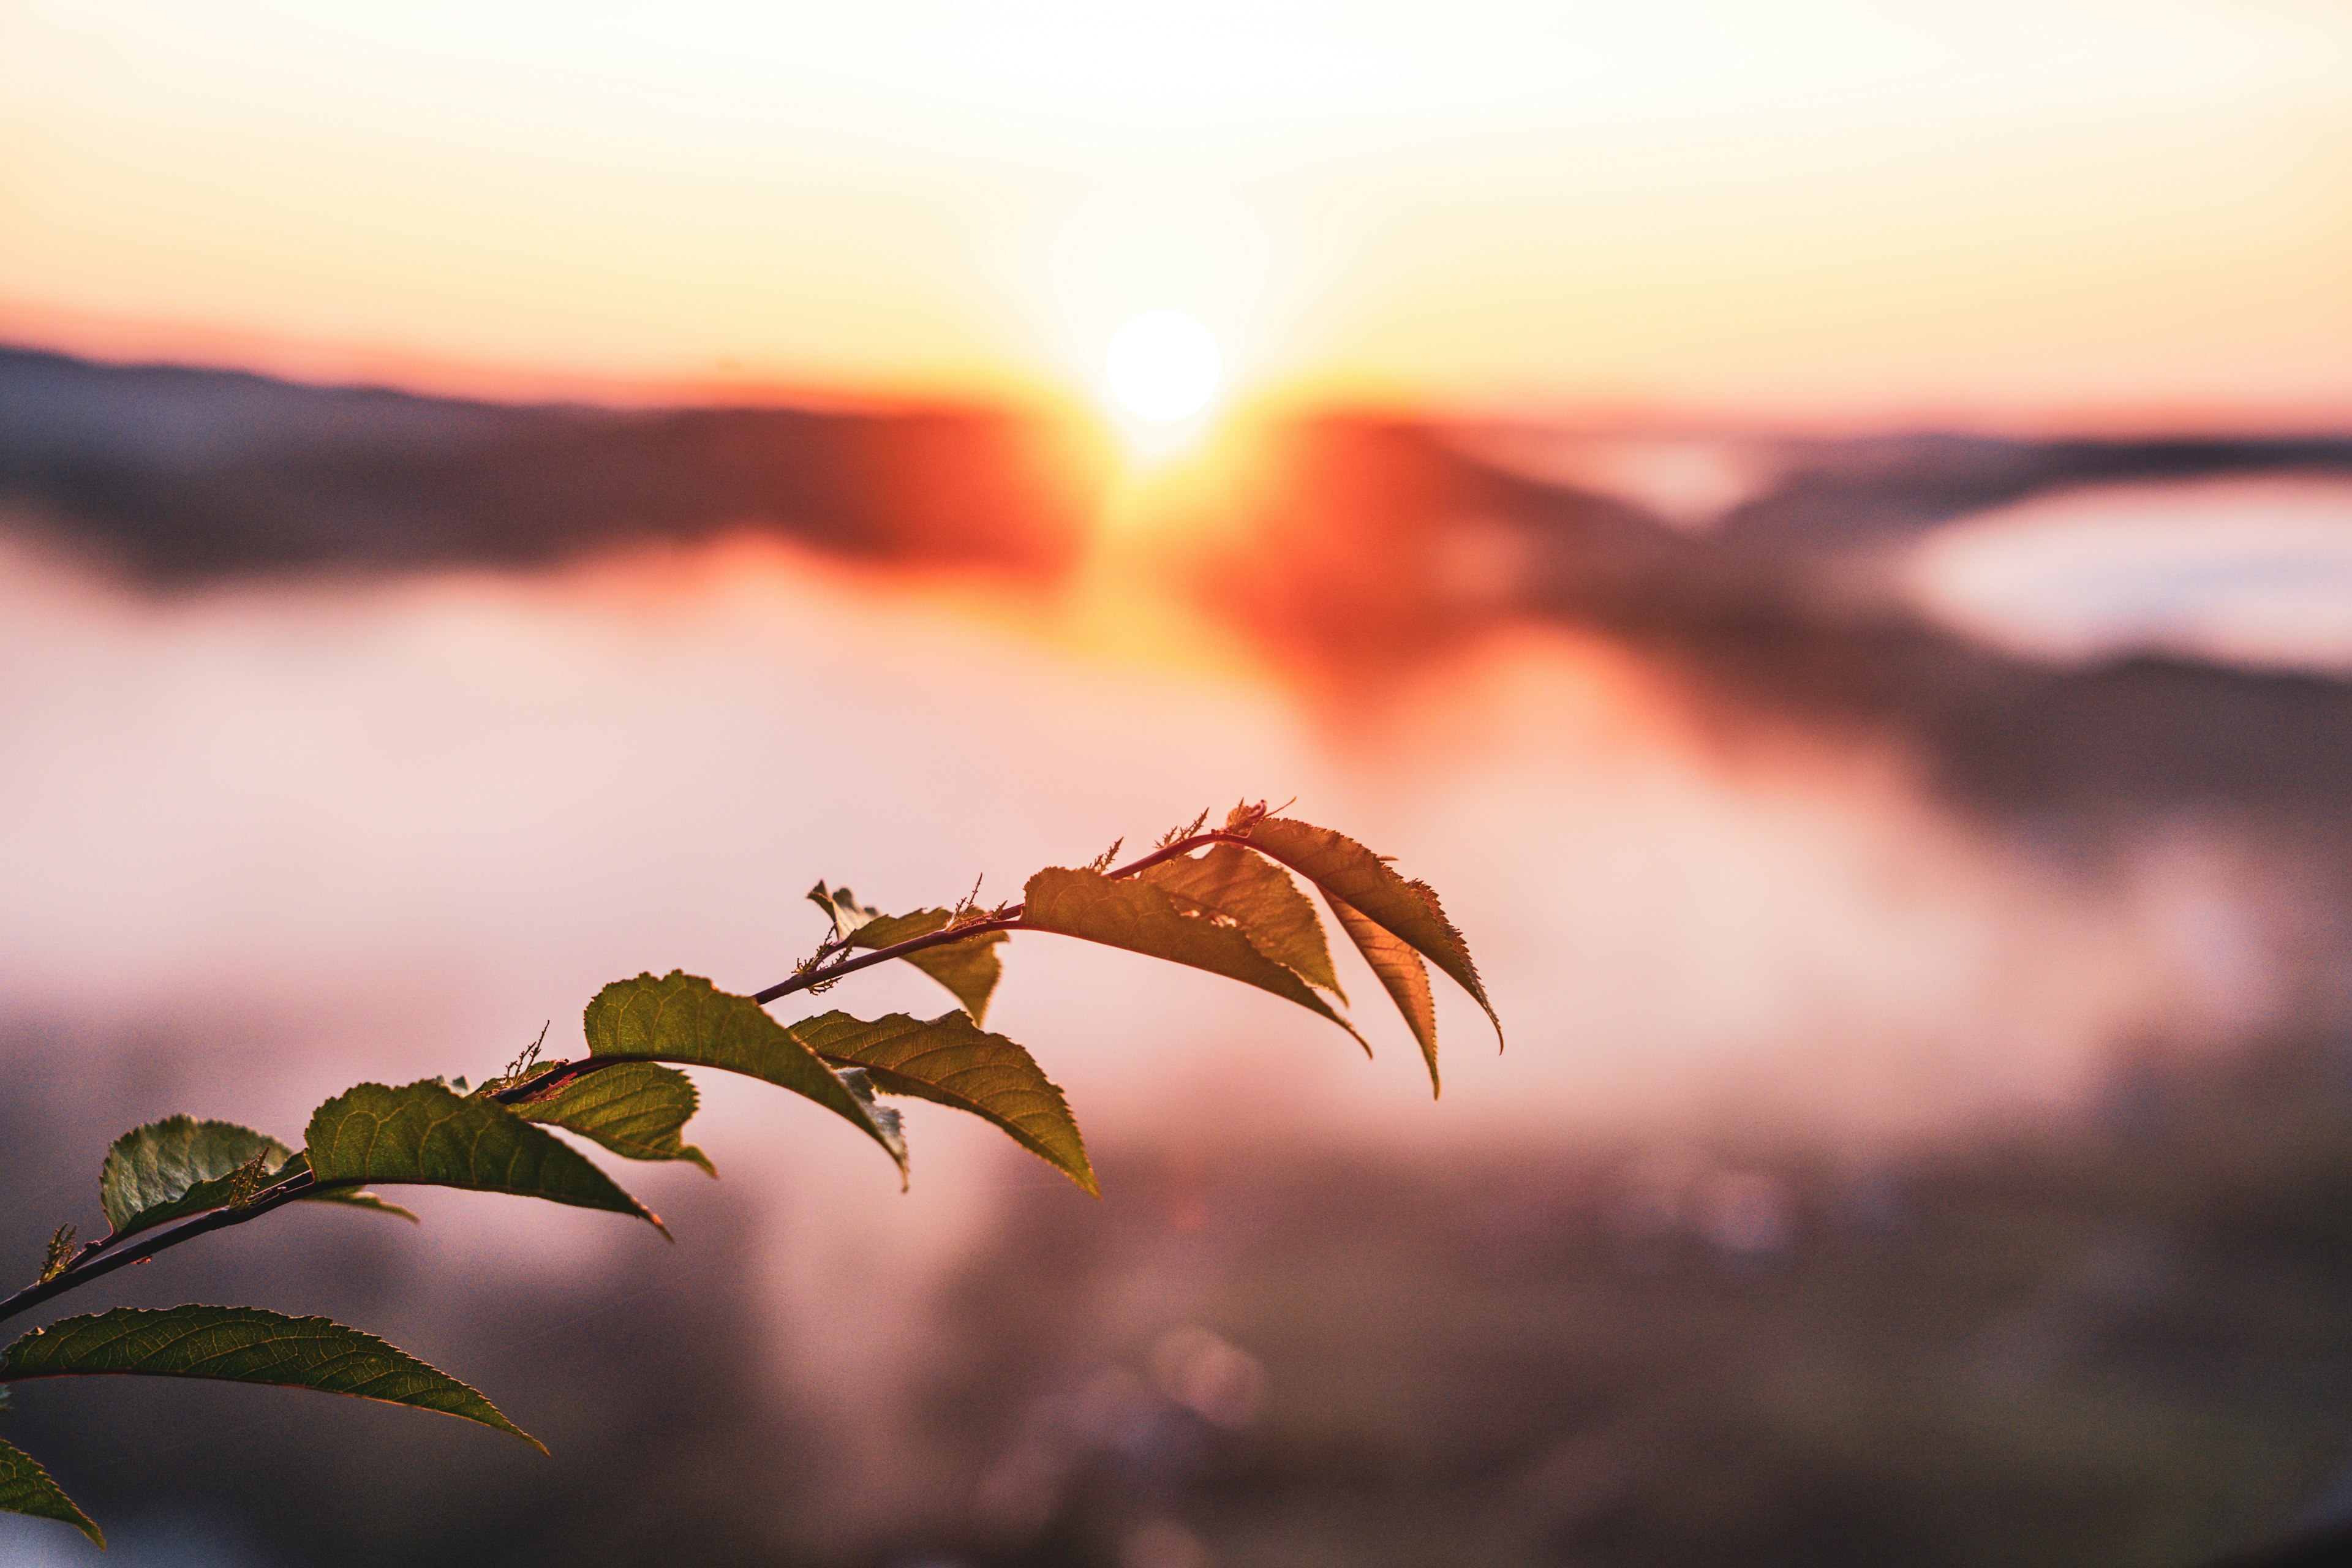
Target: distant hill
x,y
1363,547
180,475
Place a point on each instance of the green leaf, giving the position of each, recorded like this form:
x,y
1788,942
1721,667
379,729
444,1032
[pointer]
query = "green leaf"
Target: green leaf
x,y
950,1061
354,1197
638,1110
684,1018
1351,874
26,1488
1258,897
429,1135
1139,917
969,968
1401,973
179,1166
246,1344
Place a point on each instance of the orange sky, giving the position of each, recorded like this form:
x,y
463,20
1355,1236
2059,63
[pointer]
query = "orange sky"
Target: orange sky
x,y
2014,212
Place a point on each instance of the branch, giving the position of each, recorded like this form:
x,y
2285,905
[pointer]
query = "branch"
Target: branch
x,y
1009,921
940,938
106,1260
101,1258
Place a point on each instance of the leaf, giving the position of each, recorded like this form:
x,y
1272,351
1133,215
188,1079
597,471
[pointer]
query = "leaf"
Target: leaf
x,y
1260,899
858,1083
179,1166
246,1344
355,1197
26,1488
1140,918
429,1135
637,1109
950,1061
969,968
1353,874
684,1018
1401,973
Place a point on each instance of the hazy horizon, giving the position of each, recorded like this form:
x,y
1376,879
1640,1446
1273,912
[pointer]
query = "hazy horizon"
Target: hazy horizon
x,y
1999,213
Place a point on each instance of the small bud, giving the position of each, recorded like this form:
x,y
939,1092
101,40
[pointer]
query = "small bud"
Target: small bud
x,y
245,1183
61,1251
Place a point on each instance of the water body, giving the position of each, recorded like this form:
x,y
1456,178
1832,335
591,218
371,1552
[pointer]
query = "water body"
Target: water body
x,y
265,840
2255,573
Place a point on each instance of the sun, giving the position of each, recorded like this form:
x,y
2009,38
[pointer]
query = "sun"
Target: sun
x,y
1163,366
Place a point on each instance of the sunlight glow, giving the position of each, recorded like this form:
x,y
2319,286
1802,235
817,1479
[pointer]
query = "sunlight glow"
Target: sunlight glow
x,y
2005,210
1163,365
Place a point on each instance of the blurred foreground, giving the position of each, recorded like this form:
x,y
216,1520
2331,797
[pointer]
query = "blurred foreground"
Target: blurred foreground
x,y
1925,956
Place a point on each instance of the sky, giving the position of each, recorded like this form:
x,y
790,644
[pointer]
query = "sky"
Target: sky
x,y
2069,211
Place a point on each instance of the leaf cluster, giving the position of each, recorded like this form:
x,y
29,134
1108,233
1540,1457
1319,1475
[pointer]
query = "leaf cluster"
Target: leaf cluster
x,y
1226,900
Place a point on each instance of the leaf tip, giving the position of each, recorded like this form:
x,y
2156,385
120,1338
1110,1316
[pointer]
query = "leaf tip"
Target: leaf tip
x,y
504,1425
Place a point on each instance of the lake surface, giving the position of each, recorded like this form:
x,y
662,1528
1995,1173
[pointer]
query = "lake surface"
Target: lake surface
x,y
263,841
2253,572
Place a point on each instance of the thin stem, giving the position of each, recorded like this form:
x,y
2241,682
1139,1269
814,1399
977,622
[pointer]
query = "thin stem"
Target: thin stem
x,y
808,977
1009,921
107,1260
103,1258
1012,919
563,1072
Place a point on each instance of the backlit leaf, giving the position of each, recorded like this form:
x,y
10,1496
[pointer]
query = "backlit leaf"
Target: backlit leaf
x,y
951,1061
638,1110
179,1166
26,1488
684,1018
1401,973
857,1081
1260,899
969,968
842,908
1353,874
428,1134
246,1344
1140,918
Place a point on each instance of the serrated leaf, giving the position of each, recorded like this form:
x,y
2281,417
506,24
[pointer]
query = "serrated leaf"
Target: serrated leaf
x,y
246,1344
26,1488
951,1061
179,1166
684,1018
428,1134
1401,975
354,1197
638,1110
1139,917
1353,874
1258,897
969,968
